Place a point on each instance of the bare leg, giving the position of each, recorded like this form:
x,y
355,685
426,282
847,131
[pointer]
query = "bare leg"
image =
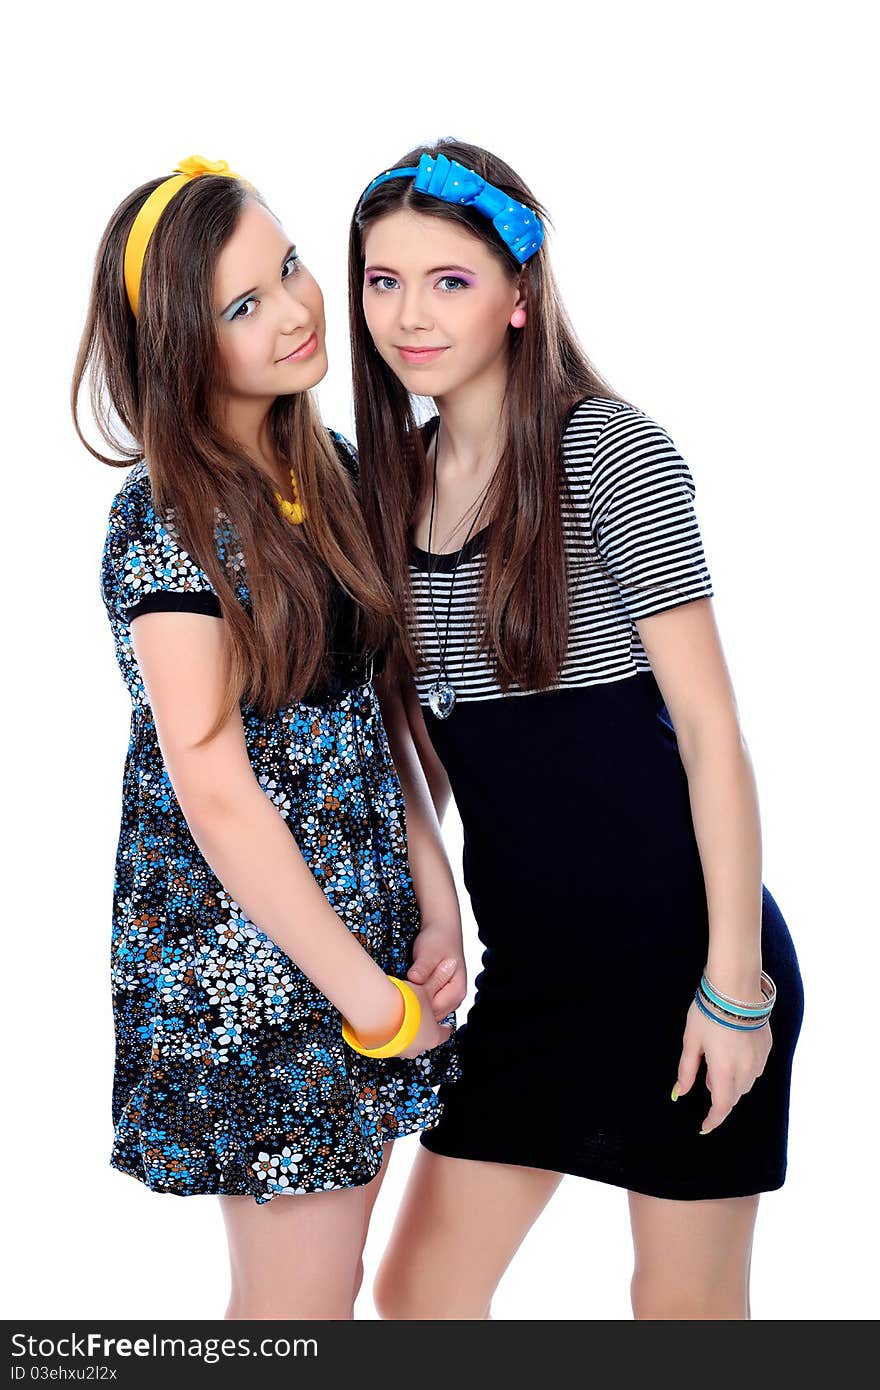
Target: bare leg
x,y
692,1259
460,1224
371,1192
297,1256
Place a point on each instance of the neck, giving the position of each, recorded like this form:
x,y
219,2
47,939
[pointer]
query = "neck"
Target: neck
x,y
471,420
247,422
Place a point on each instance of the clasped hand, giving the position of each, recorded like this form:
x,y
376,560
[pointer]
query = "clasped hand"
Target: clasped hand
x,y
439,977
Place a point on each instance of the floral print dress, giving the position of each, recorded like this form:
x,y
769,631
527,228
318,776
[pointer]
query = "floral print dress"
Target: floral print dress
x,y
231,1075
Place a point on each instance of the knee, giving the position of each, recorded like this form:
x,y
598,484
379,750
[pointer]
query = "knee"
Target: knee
x,y
401,1296
653,1299
658,1297
394,1294
257,1309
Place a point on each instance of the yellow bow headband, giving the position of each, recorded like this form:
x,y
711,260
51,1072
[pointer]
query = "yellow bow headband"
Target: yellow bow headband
x,y
150,211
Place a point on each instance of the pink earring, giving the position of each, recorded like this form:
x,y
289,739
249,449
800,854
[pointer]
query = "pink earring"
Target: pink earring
x,y
517,318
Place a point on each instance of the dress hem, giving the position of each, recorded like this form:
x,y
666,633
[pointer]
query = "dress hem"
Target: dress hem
x,y
260,1194
693,1191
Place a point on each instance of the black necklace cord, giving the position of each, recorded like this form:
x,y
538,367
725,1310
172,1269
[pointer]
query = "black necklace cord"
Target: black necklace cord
x,y
445,643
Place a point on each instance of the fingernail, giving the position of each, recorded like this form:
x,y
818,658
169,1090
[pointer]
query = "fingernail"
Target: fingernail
x,y
675,1091
447,964
705,1131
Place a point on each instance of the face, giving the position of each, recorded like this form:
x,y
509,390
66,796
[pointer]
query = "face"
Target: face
x,y
270,311
436,300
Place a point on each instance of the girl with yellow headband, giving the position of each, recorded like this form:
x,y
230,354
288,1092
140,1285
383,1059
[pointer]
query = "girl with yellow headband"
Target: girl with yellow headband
x,y
265,914
565,684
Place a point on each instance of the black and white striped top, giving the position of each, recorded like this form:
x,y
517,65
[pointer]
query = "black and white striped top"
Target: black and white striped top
x,y
633,547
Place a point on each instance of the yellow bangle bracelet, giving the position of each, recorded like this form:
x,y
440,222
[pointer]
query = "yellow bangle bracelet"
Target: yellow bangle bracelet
x,y
412,1018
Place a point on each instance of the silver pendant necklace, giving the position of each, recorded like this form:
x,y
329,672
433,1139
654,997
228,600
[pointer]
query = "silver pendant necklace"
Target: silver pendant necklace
x,y
441,694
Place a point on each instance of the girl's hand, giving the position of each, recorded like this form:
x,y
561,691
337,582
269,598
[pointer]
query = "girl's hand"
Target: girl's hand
x,y
438,965
431,1033
734,1061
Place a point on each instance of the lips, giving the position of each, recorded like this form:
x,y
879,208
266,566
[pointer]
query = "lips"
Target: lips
x,y
416,355
304,350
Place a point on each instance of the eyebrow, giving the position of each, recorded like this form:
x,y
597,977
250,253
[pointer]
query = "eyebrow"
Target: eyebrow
x,y
433,271
239,299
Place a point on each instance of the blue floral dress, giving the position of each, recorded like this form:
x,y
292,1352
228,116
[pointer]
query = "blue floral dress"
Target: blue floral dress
x,y
231,1075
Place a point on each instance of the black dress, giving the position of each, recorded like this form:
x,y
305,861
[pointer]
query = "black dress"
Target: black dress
x,y
581,861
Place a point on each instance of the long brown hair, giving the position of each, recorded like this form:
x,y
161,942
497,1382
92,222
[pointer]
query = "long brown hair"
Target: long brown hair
x,y
155,389
524,598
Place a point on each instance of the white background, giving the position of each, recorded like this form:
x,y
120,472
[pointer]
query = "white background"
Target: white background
x,y
709,172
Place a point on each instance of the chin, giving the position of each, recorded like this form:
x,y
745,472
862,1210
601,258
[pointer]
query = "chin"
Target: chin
x,y
427,381
317,369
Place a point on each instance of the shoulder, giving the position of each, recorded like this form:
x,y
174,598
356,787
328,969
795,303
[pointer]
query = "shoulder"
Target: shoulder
x,y
616,444
131,510
143,554
599,425
134,521
135,489
588,418
345,451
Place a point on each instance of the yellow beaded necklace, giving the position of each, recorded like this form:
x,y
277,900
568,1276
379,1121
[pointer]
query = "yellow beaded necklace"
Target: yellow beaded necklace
x,y
292,510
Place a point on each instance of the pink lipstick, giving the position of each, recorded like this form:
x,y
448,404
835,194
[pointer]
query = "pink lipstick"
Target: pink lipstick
x,y
305,350
417,355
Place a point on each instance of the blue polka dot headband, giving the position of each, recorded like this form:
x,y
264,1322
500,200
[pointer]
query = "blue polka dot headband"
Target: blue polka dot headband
x,y
519,227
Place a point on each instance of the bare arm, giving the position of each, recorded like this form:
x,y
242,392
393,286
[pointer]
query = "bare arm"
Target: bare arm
x,y
684,648
433,769
429,866
438,953
239,831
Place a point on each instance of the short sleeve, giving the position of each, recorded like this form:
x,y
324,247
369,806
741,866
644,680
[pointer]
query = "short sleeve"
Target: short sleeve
x,y
145,569
642,516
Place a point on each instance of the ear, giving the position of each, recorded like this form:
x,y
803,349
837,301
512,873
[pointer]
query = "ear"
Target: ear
x,y
519,313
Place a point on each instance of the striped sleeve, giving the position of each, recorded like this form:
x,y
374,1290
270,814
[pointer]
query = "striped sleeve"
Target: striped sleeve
x,y
642,516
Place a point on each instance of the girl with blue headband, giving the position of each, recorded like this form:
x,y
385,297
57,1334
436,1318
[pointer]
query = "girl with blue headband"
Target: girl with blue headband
x,y
565,682
265,914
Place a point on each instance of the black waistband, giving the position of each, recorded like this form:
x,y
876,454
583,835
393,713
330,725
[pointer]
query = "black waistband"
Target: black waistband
x,y
348,672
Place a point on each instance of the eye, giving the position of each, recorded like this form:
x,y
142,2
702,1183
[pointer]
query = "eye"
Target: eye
x,y
245,310
381,283
291,266
450,283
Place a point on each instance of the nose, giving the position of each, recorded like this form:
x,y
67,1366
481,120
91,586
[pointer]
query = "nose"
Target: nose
x,y
293,314
414,311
